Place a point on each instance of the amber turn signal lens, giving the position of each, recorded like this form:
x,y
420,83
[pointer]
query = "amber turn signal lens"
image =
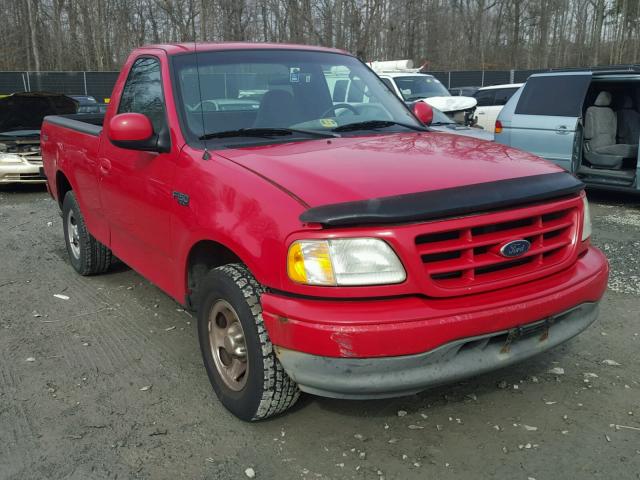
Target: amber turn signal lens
x,y
498,128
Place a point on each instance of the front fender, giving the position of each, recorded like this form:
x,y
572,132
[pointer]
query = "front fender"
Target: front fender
x,y
236,208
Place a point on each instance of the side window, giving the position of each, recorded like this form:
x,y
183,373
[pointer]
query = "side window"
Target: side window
x,y
503,95
142,93
485,98
556,95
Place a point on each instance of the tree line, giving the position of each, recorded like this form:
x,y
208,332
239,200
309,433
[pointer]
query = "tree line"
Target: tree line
x,y
444,34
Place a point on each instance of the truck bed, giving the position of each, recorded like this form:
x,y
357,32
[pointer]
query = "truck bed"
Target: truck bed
x,y
90,124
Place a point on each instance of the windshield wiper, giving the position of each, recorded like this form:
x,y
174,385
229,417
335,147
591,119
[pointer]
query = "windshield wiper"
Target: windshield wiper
x,y
264,132
374,124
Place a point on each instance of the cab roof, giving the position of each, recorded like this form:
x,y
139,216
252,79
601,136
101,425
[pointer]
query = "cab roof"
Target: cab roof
x,y
190,47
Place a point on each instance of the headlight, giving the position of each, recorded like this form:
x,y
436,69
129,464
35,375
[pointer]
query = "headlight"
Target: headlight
x,y
346,261
586,223
10,159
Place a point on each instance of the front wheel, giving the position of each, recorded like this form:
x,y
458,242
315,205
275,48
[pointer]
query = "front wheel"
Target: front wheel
x,y
238,355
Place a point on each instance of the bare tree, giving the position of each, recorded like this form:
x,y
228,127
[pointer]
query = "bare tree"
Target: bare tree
x,y
449,34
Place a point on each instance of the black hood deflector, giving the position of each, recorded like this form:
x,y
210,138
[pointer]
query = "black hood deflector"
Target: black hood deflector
x,y
449,202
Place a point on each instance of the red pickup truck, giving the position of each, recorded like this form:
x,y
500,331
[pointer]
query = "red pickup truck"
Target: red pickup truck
x,y
338,248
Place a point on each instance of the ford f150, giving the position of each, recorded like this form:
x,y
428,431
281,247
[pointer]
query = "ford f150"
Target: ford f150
x,y
341,249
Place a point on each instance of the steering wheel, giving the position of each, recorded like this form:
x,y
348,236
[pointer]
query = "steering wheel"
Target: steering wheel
x,y
340,105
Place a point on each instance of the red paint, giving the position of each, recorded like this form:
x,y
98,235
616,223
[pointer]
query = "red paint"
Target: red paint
x,y
423,112
409,325
250,199
130,127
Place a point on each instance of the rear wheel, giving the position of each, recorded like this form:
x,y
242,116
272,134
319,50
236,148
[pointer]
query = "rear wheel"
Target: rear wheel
x,y
238,355
87,255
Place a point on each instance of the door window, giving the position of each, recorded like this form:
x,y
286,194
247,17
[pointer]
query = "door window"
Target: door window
x,y
503,95
557,95
485,98
142,92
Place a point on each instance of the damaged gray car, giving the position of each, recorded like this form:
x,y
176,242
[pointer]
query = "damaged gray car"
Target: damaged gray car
x,y
21,116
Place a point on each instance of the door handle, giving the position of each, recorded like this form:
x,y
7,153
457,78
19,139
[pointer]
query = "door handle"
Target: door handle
x,y
562,130
482,113
105,166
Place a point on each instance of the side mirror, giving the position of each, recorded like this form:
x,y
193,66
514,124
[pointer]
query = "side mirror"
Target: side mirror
x,y
423,112
133,131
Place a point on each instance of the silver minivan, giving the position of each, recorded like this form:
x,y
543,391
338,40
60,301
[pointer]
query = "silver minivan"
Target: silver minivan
x,y
588,122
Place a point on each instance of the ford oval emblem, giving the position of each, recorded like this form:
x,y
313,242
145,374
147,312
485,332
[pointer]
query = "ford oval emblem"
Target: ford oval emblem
x,y
515,248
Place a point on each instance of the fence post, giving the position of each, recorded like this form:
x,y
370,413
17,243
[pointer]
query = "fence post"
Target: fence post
x,y
24,82
84,76
28,82
449,80
482,81
512,76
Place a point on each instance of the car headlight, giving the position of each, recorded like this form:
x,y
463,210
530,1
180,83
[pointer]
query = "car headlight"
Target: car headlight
x,y
586,222
345,261
10,159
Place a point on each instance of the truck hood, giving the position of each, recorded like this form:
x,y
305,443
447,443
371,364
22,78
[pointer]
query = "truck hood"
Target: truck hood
x,y
322,172
25,111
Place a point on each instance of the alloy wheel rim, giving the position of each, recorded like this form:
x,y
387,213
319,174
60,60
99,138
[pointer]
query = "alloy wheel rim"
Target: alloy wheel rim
x,y
228,345
73,234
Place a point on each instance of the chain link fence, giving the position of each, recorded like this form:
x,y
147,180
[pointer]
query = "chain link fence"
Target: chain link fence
x,y
96,84
484,78
100,84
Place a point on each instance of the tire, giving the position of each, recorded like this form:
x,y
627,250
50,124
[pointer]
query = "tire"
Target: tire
x,y
87,255
229,295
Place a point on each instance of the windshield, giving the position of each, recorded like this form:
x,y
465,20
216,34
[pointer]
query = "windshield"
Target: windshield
x,y
414,87
304,91
440,118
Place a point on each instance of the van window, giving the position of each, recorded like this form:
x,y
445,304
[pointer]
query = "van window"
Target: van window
x,y
485,98
503,95
558,95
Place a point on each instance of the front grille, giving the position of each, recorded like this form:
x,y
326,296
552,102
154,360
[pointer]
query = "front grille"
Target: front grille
x,y
468,259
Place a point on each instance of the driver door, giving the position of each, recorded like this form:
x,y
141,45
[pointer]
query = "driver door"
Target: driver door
x,y
136,186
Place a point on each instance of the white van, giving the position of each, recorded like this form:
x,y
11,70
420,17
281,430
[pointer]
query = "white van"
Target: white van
x,y
490,102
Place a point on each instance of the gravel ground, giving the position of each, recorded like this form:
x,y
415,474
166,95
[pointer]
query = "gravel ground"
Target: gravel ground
x,y
109,384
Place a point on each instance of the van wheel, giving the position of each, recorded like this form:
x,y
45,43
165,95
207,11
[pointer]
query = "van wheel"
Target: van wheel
x,y
88,256
238,355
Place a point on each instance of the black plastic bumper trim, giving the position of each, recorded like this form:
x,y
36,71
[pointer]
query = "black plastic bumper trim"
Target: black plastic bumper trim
x,y
436,204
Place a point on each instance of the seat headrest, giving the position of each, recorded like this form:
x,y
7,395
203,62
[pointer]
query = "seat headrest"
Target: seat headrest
x,y
627,102
603,99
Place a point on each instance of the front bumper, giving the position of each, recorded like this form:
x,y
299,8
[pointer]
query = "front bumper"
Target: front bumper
x,y
363,378
364,328
372,348
26,172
